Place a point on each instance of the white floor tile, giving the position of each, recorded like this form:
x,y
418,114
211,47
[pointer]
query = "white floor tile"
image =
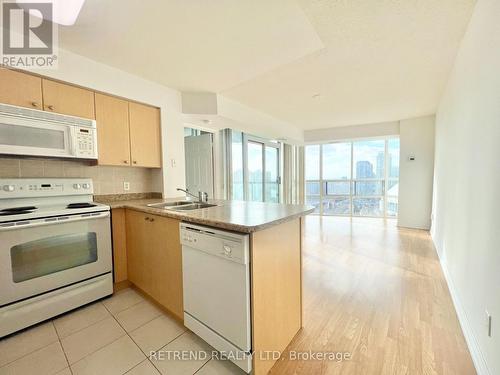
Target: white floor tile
x,y
88,340
66,371
79,319
27,341
157,333
185,345
122,300
144,368
46,361
114,359
137,315
217,367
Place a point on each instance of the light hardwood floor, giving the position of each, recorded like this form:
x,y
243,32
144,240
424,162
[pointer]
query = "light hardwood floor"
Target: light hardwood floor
x,y
377,292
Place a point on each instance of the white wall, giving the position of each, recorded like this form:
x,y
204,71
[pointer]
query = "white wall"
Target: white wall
x,y
415,177
467,184
254,122
381,129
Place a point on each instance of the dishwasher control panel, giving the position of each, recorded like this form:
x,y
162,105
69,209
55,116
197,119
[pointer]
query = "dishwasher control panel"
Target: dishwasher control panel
x,y
229,245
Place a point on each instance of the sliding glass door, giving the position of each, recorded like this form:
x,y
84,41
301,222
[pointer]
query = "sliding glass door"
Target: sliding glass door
x,y
263,170
254,168
357,178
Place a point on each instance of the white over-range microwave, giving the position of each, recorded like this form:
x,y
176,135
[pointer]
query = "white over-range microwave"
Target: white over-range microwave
x,y
32,132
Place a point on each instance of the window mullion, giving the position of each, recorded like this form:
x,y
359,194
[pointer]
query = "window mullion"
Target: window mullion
x,y
351,182
321,180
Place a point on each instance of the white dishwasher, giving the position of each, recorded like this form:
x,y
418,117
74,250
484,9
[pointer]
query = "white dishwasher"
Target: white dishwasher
x,y
216,276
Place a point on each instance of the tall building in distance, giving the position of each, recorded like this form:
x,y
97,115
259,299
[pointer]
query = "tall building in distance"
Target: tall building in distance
x,y
364,169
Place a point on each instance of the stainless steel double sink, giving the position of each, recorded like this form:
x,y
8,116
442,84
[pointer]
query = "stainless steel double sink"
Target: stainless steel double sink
x,y
181,205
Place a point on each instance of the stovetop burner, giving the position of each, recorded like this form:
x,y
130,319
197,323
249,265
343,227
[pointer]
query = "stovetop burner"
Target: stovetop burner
x,y
80,205
16,209
7,213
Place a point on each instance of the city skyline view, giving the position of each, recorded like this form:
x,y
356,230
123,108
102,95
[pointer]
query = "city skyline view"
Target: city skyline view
x,y
353,178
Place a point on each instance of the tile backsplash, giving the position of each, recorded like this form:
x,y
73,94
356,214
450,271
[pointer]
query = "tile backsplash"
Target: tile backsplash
x,y
107,179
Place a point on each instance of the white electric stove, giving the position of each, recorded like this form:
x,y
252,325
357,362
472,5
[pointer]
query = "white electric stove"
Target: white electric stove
x,y
55,249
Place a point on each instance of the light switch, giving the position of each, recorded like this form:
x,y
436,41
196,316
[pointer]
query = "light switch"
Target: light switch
x,y
126,186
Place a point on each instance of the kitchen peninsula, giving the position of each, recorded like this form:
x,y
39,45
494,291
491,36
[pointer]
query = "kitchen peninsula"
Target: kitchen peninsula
x,y
148,254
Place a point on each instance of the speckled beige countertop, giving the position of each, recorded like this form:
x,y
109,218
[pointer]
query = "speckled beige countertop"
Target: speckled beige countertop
x,y
236,216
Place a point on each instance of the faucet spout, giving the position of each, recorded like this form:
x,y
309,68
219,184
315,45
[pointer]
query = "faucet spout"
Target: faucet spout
x,y
187,192
202,196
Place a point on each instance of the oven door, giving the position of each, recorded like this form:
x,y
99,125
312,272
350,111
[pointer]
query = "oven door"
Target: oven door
x,y
22,136
45,255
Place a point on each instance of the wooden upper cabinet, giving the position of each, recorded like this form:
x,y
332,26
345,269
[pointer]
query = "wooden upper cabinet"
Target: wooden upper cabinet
x,y
20,89
112,130
145,137
67,99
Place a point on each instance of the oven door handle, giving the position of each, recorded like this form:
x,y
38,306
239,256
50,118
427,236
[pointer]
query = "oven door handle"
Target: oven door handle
x,y
52,220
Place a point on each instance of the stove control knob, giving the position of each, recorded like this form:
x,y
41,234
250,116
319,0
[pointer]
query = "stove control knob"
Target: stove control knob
x,y
77,186
86,186
8,187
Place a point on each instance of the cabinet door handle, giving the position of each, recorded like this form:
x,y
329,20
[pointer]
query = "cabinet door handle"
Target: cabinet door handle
x,y
135,161
34,104
146,218
125,162
51,107
151,219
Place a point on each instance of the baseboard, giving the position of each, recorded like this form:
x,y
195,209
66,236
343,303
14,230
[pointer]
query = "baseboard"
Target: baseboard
x,y
475,351
411,226
121,285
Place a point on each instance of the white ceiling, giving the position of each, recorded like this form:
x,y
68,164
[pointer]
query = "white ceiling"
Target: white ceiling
x,y
370,60
192,45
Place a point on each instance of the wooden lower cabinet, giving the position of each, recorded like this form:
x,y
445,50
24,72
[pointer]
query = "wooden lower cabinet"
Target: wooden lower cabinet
x,y
276,262
119,245
154,258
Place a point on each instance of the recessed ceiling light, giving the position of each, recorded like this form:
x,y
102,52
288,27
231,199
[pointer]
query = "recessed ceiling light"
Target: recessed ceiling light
x,y
64,12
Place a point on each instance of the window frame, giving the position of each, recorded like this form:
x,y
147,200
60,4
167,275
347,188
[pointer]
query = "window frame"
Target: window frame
x,y
322,196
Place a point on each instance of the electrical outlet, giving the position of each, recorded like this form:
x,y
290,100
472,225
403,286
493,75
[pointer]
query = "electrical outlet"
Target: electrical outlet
x,y
488,323
126,186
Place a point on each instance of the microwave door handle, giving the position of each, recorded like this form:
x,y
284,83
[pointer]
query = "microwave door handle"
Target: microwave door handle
x,y
51,221
71,140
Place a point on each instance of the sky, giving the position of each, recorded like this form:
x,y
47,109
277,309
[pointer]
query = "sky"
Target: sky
x,y
337,157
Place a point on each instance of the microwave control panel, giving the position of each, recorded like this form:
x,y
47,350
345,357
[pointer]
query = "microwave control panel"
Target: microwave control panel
x,y
85,142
